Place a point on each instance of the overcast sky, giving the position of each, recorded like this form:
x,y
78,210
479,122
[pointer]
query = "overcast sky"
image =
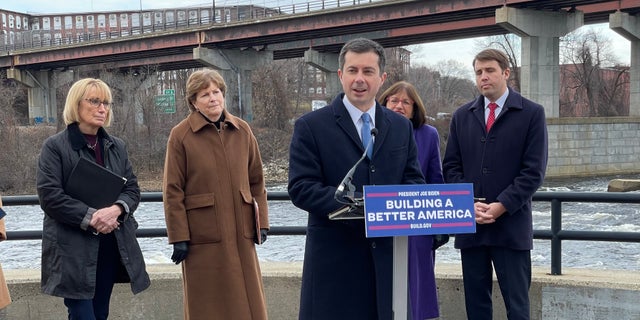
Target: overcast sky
x,y
425,54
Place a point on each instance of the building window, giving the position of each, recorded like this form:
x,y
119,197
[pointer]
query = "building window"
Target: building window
x,y
57,24
35,23
124,20
158,18
193,17
79,23
102,20
204,17
135,20
113,21
91,23
46,23
68,23
146,19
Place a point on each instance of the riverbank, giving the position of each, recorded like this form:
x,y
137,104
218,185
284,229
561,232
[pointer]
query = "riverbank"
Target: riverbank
x,y
275,173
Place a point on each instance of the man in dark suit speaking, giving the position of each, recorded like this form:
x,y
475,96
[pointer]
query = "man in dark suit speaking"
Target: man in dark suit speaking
x,y
345,274
498,142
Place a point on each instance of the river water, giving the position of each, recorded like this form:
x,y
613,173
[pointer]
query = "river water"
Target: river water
x,y
576,216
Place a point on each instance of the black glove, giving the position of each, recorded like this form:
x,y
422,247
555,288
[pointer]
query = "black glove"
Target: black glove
x,y
439,240
180,251
263,236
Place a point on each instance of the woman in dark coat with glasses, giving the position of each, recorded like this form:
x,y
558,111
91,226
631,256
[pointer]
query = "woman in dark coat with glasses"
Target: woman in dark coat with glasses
x,y
85,249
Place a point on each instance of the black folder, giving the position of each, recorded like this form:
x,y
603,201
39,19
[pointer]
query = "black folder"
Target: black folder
x,y
94,184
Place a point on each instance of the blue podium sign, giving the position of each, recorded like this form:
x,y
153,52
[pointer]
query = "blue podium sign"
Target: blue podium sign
x,y
418,209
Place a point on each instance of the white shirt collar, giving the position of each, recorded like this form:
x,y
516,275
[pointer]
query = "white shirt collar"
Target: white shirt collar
x,y
500,102
355,113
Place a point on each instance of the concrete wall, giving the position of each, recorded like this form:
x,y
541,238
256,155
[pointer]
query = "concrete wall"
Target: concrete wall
x,y
577,294
588,146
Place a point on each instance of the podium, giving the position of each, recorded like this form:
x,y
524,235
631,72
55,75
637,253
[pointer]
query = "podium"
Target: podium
x,y
400,303
400,211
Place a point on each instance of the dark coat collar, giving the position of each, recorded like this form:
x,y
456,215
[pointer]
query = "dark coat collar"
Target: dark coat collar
x,y
77,138
514,101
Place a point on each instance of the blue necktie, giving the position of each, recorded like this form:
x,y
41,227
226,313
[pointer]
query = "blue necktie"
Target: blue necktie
x,y
366,133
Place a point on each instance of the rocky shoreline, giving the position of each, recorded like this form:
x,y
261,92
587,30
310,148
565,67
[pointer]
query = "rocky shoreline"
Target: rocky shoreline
x,y
275,172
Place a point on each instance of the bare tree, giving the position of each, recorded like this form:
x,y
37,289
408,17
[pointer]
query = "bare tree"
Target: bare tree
x,y
20,143
274,93
455,87
444,86
443,89
592,80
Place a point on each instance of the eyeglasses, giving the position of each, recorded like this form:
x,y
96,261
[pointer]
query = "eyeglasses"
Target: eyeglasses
x,y
95,102
406,103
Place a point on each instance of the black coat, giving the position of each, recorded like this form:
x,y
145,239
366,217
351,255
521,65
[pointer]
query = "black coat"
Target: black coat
x,y
507,164
69,247
345,274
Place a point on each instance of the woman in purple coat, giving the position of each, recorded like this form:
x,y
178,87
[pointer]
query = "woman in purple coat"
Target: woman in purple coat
x,y
402,97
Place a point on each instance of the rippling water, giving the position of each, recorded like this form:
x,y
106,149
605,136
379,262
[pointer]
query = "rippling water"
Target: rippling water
x,y
576,216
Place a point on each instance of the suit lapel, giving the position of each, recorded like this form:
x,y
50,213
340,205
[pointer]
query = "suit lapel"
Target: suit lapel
x,y
382,125
343,120
478,110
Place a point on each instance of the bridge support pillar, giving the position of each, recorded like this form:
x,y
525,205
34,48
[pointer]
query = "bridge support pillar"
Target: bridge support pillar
x,y
236,66
327,63
41,94
540,33
628,26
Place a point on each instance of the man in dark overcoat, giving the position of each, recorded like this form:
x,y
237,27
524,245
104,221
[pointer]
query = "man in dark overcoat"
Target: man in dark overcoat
x,y
498,142
345,274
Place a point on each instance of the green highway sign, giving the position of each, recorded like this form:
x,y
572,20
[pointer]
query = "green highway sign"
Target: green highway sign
x,y
166,103
170,91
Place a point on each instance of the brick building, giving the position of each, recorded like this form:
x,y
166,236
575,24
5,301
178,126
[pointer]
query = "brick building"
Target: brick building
x,y
24,30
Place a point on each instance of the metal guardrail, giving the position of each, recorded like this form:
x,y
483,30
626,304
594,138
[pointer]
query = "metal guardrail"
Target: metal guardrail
x,y
556,234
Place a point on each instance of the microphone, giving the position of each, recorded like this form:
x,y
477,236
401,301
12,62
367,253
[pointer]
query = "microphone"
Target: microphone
x,y
346,181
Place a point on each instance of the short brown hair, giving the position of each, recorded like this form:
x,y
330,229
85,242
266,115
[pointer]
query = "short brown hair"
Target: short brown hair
x,y
200,80
363,45
492,54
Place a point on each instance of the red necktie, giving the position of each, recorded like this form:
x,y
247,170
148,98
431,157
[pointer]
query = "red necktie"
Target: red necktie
x,y
492,115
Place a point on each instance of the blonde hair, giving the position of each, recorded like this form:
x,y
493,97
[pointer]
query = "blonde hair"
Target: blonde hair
x,y
200,80
77,93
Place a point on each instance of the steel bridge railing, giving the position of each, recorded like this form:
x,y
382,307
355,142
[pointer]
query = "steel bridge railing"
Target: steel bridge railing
x,y
555,234
41,39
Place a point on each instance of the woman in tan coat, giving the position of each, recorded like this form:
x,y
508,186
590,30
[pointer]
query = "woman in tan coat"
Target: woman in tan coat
x,y
212,180
5,299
